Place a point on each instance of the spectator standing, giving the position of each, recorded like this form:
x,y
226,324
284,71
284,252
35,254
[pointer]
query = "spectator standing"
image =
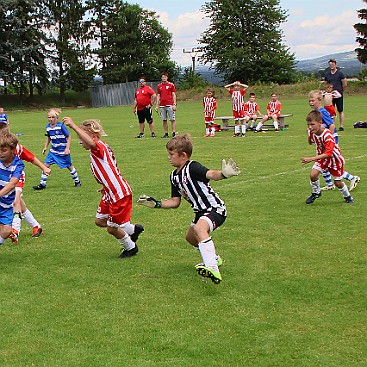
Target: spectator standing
x,y
339,82
166,102
145,97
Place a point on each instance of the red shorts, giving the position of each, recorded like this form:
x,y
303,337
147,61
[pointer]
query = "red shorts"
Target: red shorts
x,y
117,213
336,172
238,114
209,119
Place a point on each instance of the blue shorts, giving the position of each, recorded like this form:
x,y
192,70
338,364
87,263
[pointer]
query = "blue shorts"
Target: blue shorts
x,y
6,216
63,161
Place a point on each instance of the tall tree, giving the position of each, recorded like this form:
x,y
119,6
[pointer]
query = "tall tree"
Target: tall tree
x,y
244,41
361,29
131,41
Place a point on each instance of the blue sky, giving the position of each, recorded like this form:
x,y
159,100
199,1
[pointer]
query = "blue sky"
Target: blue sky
x,y
314,28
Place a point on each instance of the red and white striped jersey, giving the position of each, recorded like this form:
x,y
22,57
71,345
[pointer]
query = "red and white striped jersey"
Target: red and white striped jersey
x,y
325,144
210,105
105,171
274,107
251,107
237,99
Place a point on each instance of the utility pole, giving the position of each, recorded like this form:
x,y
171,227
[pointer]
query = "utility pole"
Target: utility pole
x,y
193,52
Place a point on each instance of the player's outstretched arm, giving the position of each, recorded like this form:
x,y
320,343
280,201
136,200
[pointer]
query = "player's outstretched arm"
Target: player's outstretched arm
x,y
228,170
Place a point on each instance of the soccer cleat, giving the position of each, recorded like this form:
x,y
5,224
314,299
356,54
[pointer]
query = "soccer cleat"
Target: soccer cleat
x,y
328,187
341,128
206,272
212,135
312,198
349,199
140,136
276,130
129,253
165,136
78,184
14,236
138,229
36,231
243,135
174,134
153,135
354,183
236,135
39,187
219,262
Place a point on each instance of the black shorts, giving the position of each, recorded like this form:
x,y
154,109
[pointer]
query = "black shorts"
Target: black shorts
x,y
145,114
216,218
338,103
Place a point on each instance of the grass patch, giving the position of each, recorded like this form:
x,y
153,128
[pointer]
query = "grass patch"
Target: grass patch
x,y
293,290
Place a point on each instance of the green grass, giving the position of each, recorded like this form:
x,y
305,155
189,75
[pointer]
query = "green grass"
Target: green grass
x,y
294,276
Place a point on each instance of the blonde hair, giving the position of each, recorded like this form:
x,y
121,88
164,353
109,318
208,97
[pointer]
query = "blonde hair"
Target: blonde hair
x,y
93,126
54,111
181,143
315,94
8,139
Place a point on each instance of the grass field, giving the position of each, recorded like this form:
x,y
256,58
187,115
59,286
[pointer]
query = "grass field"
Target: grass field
x,y
294,276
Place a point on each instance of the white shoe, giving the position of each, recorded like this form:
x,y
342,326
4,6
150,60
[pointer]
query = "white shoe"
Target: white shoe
x,y
354,183
327,187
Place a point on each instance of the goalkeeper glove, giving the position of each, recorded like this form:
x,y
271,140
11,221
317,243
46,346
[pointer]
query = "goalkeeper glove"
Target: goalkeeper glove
x,y
149,201
230,168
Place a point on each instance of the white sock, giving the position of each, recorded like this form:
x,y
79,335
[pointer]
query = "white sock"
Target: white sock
x,y
128,228
236,129
276,126
344,191
207,251
17,222
126,242
212,131
207,131
315,187
30,219
243,129
259,125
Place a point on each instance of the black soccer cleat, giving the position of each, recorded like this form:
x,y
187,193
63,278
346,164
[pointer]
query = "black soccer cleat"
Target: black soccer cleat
x,y
39,187
129,253
312,198
138,229
349,199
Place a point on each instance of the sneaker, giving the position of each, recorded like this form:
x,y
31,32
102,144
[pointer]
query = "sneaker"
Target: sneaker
x,y
39,187
236,135
153,135
354,183
36,231
129,253
78,184
138,229
341,128
276,130
140,136
212,135
349,200
256,131
243,135
312,198
173,134
206,272
165,136
14,236
328,187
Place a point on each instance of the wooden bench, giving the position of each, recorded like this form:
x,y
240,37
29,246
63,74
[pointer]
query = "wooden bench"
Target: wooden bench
x,y
281,119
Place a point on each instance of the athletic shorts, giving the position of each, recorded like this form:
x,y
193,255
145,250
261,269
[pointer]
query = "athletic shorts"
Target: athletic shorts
x,y
63,161
167,113
213,218
6,216
337,173
209,120
238,114
145,115
117,213
338,102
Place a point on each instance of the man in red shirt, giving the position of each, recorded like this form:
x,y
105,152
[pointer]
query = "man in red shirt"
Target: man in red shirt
x,y
166,101
144,99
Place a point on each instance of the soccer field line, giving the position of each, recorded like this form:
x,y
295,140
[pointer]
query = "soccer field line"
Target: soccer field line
x,y
308,167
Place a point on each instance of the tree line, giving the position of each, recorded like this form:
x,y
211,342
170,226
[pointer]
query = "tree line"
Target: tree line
x,y
65,43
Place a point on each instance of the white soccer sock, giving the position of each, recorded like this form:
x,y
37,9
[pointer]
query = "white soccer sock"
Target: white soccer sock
x,y
344,191
315,187
17,222
276,126
207,131
207,251
259,126
126,242
236,129
243,129
128,228
30,219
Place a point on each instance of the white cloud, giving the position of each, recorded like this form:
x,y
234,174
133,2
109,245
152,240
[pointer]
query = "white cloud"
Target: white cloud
x,y
321,35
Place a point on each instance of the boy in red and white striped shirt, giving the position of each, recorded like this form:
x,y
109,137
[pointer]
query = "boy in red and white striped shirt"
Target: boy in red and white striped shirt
x,y
114,210
272,113
329,157
252,111
210,105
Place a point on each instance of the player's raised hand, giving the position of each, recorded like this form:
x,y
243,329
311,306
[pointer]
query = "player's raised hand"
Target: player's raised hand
x,y
149,201
230,168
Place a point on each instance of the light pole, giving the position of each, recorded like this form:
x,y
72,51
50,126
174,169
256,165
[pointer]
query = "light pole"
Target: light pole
x,y
193,52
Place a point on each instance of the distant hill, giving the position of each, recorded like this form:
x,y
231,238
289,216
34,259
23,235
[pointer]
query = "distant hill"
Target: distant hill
x,y
347,61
